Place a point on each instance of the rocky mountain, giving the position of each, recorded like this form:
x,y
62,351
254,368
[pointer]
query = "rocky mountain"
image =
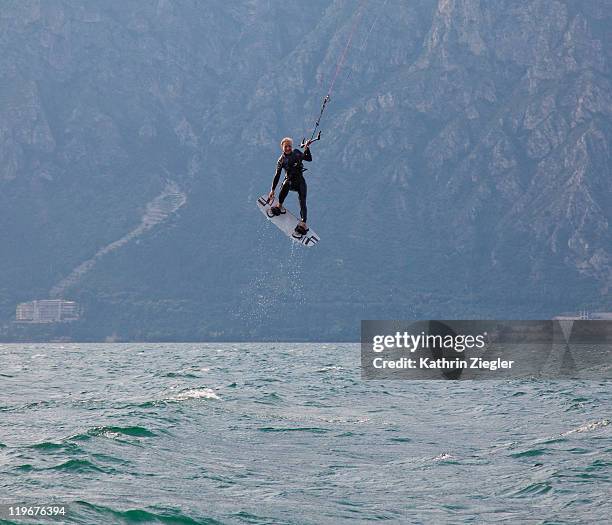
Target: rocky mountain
x,y
464,168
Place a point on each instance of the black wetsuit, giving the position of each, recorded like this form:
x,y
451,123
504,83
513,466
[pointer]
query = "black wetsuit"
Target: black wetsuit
x,y
294,178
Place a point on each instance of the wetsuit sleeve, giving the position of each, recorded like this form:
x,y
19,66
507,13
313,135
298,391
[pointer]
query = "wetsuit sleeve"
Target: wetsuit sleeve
x,y
279,168
306,155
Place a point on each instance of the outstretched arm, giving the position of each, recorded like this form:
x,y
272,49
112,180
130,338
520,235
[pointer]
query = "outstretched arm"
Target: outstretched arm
x,y
279,168
307,155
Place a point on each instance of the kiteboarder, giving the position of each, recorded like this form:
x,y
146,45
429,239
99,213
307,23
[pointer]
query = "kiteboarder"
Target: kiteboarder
x,y
291,161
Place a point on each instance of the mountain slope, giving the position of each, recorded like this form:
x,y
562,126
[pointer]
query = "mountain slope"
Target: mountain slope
x,y
464,168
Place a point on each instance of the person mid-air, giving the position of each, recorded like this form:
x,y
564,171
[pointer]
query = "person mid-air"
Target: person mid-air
x,y
291,161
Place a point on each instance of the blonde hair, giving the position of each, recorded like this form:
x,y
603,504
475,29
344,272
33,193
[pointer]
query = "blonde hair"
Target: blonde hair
x,y
285,140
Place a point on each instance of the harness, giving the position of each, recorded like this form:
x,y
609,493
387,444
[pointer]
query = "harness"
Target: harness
x,y
294,168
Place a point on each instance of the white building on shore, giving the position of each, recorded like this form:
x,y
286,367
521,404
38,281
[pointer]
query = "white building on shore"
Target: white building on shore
x,y
47,311
585,315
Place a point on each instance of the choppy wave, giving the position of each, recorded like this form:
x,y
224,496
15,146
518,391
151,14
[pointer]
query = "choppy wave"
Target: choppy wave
x,y
80,465
114,432
588,427
313,430
87,512
196,393
249,434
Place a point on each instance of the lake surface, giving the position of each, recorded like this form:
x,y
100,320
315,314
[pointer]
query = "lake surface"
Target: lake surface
x,y
290,433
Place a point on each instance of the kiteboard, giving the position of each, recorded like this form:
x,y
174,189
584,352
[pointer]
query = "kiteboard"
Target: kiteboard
x,y
286,222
